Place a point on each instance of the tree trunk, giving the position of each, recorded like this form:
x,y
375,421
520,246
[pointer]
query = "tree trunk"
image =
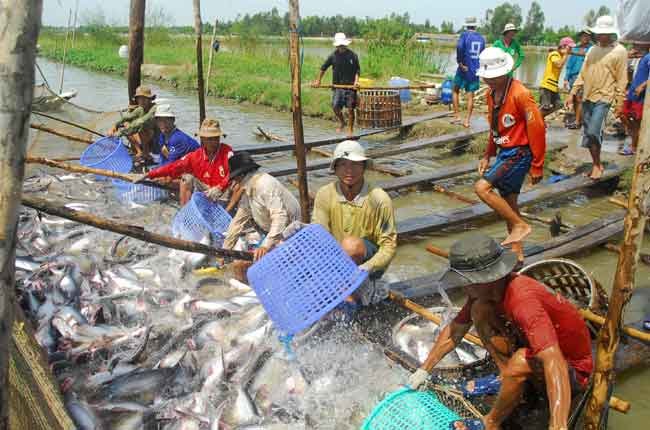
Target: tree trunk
x,y
136,45
609,335
19,26
296,107
199,59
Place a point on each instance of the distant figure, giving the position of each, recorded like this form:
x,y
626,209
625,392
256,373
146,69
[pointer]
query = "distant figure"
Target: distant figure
x,y
549,91
517,129
203,170
571,72
603,79
507,43
173,143
633,106
138,126
345,71
469,47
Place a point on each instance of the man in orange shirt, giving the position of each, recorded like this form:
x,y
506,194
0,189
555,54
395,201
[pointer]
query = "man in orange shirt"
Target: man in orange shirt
x,y
517,129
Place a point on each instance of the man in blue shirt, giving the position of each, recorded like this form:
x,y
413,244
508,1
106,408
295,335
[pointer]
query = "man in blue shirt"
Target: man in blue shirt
x,y
173,144
469,46
633,105
571,72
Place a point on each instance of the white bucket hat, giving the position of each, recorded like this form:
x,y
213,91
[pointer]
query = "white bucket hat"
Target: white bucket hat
x,y
509,27
164,111
605,25
471,21
494,63
348,150
341,40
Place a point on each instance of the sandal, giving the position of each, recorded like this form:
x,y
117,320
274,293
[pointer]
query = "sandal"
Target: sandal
x,y
466,424
626,151
572,126
487,385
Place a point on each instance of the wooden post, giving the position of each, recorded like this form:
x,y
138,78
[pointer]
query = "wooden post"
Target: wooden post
x,y
136,45
20,23
214,36
199,59
65,51
296,107
609,335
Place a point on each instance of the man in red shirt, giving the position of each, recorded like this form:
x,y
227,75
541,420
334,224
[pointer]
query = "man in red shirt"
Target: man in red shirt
x,y
205,169
527,330
517,129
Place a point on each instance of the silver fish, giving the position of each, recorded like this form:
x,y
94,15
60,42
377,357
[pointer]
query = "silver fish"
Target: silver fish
x,y
82,415
241,411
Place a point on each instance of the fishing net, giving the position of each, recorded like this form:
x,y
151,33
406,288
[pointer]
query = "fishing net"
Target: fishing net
x,y
35,402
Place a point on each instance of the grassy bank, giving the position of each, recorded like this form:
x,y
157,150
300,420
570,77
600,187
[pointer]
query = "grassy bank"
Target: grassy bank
x,y
248,71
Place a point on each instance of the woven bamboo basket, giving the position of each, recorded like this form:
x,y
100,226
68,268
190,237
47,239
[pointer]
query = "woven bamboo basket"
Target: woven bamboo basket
x,y
379,109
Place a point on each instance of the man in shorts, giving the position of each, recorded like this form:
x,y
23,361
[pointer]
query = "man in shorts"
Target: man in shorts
x,y
571,72
469,46
345,71
517,129
603,79
633,105
549,91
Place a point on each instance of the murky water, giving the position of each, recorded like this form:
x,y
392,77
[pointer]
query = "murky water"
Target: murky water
x,y
108,93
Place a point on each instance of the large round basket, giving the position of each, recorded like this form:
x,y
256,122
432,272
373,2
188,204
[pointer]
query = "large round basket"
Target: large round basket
x,y
379,109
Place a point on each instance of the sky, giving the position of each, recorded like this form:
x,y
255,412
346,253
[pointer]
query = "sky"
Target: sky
x,y
558,12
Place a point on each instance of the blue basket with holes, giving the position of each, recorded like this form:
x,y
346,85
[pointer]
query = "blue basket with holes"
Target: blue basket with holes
x,y
127,192
410,409
199,217
107,153
304,279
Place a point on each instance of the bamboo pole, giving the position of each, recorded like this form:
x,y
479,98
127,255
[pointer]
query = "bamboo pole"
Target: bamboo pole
x,y
214,36
20,23
74,25
296,107
136,45
199,59
65,51
60,134
73,124
442,190
609,335
133,231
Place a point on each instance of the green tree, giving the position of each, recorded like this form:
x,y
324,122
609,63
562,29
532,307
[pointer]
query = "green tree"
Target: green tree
x,y
500,16
592,15
533,31
447,27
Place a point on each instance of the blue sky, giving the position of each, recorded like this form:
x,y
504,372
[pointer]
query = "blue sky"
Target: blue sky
x,y
558,12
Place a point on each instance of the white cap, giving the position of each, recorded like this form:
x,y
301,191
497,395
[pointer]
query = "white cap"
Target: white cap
x,y
471,21
164,111
605,25
509,27
341,40
494,63
348,150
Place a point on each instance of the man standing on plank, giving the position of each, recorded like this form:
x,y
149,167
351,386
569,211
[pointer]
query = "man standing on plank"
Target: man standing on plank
x,y
469,46
517,129
573,67
549,91
345,71
603,79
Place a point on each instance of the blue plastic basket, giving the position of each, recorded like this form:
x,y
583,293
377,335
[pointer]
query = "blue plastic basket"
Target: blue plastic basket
x,y
200,216
107,153
409,409
304,278
126,192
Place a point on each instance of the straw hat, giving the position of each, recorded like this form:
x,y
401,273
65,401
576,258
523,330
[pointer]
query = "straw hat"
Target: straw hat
x,y
509,27
348,150
341,40
605,25
144,91
494,63
164,111
471,21
210,128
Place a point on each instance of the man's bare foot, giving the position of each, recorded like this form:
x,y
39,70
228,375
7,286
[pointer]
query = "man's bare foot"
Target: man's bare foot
x,y
597,172
466,124
518,248
340,128
518,233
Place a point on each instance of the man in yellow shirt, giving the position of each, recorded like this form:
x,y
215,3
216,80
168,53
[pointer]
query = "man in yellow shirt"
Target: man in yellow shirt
x,y
359,215
549,91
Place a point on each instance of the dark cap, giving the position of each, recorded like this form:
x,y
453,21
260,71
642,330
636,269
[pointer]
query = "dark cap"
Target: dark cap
x,y
241,163
478,259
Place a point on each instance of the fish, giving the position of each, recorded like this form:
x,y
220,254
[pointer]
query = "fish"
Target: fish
x,y
214,306
82,415
241,410
212,332
140,385
27,264
213,371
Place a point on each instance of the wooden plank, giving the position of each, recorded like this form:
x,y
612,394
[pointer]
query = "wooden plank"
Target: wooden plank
x,y
267,149
472,213
415,145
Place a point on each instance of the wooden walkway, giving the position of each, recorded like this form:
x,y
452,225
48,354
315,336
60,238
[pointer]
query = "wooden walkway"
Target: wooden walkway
x,y
409,122
478,211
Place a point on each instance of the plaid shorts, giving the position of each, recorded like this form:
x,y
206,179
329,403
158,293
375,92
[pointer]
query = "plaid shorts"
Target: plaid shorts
x,y
344,98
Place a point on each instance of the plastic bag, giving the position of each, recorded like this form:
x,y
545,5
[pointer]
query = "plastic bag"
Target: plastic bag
x,y
633,19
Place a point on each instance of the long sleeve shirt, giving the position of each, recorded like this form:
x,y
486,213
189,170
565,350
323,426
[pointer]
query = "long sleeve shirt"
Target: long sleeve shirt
x,y
514,49
603,76
519,123
369,216
268,205
136,121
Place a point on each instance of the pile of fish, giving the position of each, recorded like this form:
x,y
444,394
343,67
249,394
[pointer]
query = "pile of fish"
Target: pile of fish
x,y
137,340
